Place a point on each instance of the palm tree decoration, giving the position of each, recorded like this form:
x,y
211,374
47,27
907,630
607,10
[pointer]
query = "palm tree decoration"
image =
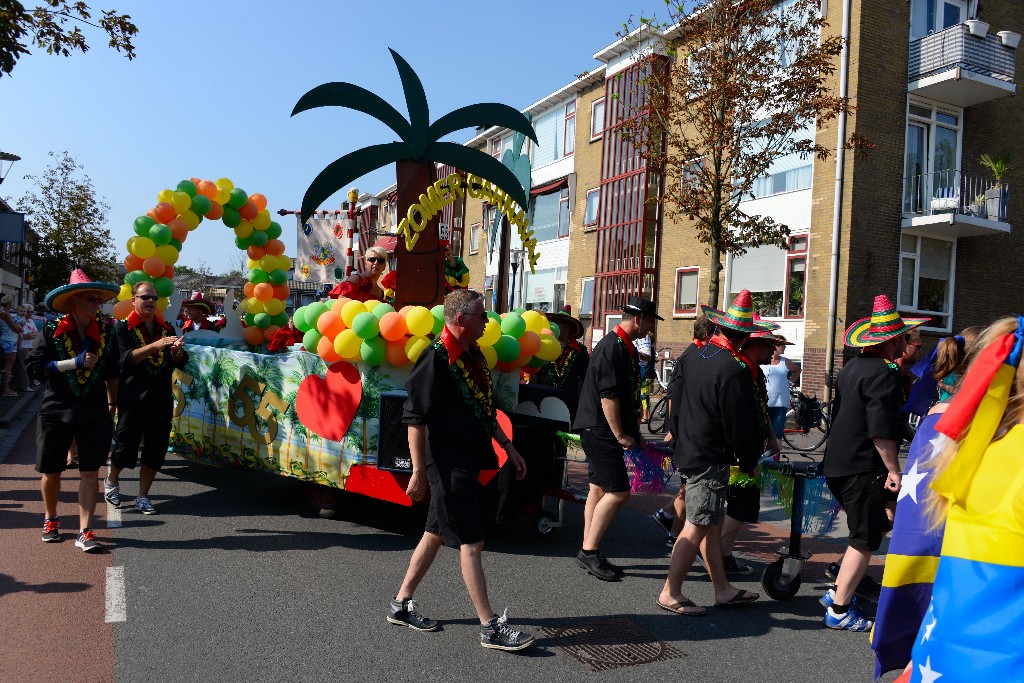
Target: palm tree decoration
x,y
421,273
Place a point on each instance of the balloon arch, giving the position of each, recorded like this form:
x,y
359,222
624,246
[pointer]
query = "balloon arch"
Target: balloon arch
x,y
162,231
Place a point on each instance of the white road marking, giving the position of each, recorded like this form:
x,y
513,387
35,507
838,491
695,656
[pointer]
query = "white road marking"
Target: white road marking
x,y
113,517
116,601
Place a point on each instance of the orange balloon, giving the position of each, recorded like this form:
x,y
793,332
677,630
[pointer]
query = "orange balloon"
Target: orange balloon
x,y
216,211
207,188
122,309
330,324
152,214
168,271
256,253
249,290
529,343
153,266
132,262
165,211
253,336
281,292
259,200
195,181
395,353
393,327
264,291
248,211
274,247
179,230
271,329
325,349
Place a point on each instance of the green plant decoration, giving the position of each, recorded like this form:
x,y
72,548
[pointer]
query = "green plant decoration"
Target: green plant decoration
x,y
998,165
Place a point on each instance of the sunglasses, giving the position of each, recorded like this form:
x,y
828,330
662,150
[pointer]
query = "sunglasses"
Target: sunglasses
x,y
146,297
374,259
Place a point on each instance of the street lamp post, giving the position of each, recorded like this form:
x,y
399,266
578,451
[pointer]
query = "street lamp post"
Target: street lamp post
x,y
515,257
7,156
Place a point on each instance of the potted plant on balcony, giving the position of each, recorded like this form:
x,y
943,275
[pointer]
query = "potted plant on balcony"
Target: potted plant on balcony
x,y
1011,39
977,27
995,197
978,207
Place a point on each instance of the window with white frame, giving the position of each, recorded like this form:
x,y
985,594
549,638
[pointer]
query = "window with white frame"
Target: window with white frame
x,y
687,284
929,16
587,297
926,279
931,156
500,145
590,214
597,119
550,131
474,238
775,278
786,173
549,215
569,139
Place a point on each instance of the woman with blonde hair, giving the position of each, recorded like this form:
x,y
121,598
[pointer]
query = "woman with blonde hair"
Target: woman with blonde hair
x,y
10,332
364,284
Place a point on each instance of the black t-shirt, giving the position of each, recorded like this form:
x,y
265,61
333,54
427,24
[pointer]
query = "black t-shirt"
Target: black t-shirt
x,y
150,380
717,419
613,373
675,386
456,436
869,394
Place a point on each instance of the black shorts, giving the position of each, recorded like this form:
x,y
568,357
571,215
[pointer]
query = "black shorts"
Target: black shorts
x,y
141,422
456,512
606,466
863,497
54,437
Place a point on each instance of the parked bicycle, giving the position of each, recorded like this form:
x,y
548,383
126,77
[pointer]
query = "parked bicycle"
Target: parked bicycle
x,y
807,425
659,416
664,364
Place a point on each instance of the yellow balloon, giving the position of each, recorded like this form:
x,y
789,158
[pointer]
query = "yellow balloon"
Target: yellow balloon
x,y
549,350
490,355
262,220
254,306
125,292
222,196
284,263
492,333
250,264
243,229
224,184
350,310
273,306
190,219
371,304
162,303
535,322
181,201
144,247
419,321
165,195
346,344
415,346
268,262
168,254
131,244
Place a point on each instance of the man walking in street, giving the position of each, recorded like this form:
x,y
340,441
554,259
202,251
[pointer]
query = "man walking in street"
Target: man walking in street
x,y
148,353
76,355
608,419
452,420
718,422
861,464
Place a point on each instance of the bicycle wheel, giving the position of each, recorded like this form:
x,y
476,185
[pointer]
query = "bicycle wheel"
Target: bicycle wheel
x,y
805,438
659,416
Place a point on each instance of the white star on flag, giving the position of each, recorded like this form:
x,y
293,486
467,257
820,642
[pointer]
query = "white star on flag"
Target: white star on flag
x,y
928,674
928,630
911,479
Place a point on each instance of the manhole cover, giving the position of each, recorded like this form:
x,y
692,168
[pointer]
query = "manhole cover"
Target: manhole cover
x,y
611,644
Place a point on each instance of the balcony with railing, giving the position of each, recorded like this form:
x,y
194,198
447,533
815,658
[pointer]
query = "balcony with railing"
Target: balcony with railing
x,y
957,67
954,204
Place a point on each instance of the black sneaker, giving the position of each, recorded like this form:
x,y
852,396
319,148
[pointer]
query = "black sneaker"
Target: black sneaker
x,y
832,571
87,541
597,565
51,530
663,521
404,614
498,635
614,567
735,567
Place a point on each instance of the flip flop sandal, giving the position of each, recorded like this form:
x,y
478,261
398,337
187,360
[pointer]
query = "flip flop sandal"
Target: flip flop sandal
x,y
680,607
744,597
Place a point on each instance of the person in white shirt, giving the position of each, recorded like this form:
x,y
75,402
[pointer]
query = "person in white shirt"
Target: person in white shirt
x,y
776,372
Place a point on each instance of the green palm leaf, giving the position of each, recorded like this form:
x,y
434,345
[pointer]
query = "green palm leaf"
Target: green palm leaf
x,y
416,100
341,172
480,164
486,114
358,98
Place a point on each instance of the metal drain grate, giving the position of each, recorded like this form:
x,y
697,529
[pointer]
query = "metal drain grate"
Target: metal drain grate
x,y
611,644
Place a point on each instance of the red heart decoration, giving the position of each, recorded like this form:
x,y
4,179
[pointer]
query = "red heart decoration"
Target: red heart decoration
x,y
326,407
486,475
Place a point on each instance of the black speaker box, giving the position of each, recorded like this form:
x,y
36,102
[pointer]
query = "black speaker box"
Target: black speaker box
x,y
393,437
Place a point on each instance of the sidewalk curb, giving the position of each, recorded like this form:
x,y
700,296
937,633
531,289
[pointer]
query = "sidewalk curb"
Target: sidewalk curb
x,y
14,421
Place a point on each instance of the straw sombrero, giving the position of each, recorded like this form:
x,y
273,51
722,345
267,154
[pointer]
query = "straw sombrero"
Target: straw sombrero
x,y
739,316
884,323
59,300
199,301
565,321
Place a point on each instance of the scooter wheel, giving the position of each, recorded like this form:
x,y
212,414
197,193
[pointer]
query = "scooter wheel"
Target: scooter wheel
x,y
775,584
545,524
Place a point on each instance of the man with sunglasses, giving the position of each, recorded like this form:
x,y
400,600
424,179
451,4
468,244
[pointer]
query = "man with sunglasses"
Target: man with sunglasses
x,y
149,353
76,355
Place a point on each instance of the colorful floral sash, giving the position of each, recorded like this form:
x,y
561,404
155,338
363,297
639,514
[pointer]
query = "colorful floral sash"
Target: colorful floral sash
x,y
473,380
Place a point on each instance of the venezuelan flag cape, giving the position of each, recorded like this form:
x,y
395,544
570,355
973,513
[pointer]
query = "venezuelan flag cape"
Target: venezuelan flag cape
x,y
911,561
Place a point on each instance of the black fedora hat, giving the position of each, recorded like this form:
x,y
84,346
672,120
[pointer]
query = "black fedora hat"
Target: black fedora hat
x,y
638,305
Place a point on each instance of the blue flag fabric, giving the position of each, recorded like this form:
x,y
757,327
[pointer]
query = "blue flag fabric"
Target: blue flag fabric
x,y
911,562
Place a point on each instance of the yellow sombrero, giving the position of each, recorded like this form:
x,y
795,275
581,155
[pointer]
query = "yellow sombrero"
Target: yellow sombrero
x,y
884,323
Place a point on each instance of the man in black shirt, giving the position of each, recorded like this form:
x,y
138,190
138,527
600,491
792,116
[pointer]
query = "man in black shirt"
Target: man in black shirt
x,y
452,419
608,419
861,463
149,353
76,355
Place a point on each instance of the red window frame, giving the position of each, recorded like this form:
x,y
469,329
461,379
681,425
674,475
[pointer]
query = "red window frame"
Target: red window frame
x,y
800,255
569,141
593,119
675,295
563,210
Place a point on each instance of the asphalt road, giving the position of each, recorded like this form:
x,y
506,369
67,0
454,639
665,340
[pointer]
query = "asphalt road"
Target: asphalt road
x,y
230,582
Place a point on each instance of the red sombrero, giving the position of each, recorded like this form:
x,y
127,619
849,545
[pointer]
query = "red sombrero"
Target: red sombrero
x,y
884,323
59,299
199,301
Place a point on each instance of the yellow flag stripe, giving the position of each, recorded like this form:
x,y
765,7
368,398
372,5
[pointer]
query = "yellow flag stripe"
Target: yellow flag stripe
x,y
901,570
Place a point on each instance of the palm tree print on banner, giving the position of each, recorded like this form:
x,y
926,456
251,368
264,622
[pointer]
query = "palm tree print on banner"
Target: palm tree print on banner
x,y
220,379
420,273
362,434
308,364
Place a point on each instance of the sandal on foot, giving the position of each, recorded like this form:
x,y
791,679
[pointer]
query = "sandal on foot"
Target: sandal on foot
x,y
744,597
682,607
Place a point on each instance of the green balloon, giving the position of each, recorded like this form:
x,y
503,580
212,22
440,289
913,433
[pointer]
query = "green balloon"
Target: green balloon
x,y
201,205
519,310
372,351
231,217
142,225
366,325
262,321
188,187
555,329
381,309
278,277
237,197
507,348
311,339
535,362
243,243
513,325
160,234
438,326
176,244
136,276
273,230
494,316
299,319
258,238
281,319
258,276
250,319
314,311
164,286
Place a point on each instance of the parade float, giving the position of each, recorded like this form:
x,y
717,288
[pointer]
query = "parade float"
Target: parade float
x,y
327,411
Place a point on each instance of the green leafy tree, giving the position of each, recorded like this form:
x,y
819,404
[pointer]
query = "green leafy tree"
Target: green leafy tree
x,y
69,218
743,84
46,26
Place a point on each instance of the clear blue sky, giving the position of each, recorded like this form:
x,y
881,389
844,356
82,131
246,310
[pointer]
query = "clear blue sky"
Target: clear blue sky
x,y
211,90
